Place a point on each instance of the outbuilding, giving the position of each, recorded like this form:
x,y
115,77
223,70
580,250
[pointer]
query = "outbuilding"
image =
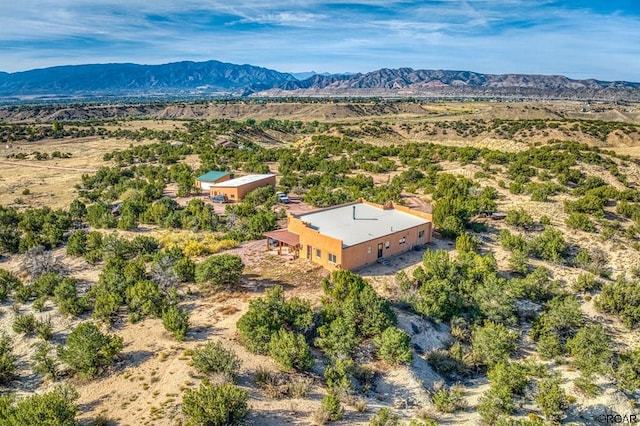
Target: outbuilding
x,y
208,179
236,189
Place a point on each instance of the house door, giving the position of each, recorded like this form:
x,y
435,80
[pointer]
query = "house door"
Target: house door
x,y
309,250
379,250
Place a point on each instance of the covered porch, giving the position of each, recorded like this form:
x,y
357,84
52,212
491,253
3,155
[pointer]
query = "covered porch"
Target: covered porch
x,y
284,238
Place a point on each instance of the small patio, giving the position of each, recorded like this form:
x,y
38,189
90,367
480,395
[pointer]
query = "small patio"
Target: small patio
x,y
282,238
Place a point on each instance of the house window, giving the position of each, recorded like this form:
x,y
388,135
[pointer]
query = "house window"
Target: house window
x,y
387,244
233,195
369,250
402,240
318,253
421,234
332,258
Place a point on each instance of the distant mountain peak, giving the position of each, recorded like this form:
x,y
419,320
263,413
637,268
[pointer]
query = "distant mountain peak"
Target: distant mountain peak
x,y
212,78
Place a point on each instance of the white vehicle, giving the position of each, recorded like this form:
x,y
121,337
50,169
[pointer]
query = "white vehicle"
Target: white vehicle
x,y
283,197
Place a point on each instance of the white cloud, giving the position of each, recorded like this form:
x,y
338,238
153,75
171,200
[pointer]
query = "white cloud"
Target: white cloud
x,y
481,35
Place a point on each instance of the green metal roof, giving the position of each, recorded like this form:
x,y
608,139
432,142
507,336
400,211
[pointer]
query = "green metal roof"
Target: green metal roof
x,y
211,176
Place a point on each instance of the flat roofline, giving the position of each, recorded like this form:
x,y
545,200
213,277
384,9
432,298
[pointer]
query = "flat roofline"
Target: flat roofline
x,y
242,180
354,226
324,209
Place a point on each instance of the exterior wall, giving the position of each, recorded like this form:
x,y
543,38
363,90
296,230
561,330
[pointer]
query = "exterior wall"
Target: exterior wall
x,y
366,253
230,192
359,255
312,240
237,193
206,185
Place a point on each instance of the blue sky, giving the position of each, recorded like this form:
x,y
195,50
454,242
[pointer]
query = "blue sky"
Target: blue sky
x,y
580,39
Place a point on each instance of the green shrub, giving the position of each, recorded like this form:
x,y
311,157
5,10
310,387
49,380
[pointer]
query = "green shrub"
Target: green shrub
x,y
176,321
290,350
106,305
549,346
77,243
39,303
330,409
8,282
44,328
492,343
537,286
518,261
25,324
215,405
493,300
582,259
584,385
185,269
621,298
494,404
590,349
339,376
213,357
510,377
466,243
519,218
394,346
88,351
66,297
551,398
449,400
385,417
628,370
56,407
145,298
586,283
7,359
549,245
580,221
513,242
337,339
562,320
46,284
352,311
45,362
268,314
223,270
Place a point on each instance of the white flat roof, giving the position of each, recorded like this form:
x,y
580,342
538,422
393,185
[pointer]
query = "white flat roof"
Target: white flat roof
x,y
243,180
370,222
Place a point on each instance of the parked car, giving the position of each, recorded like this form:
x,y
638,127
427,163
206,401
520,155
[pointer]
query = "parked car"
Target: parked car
x,y
220,198
283,197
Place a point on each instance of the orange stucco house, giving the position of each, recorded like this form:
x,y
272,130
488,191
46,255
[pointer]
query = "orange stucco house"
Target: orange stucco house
x,y
356,234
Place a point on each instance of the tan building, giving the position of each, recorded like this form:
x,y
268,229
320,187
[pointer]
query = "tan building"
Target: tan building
x,y
356,234
236,189
207,180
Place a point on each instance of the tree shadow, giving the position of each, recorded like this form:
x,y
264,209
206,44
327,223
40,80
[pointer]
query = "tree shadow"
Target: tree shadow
x,y
201,333
92,405
254,283
133,359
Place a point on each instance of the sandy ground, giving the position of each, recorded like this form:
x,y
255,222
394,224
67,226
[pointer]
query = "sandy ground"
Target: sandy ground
x,y
51,182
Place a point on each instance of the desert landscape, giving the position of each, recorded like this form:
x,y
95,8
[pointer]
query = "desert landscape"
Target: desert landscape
x,y
522,310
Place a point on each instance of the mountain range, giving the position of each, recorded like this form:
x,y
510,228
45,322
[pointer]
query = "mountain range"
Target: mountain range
x,y
214,78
